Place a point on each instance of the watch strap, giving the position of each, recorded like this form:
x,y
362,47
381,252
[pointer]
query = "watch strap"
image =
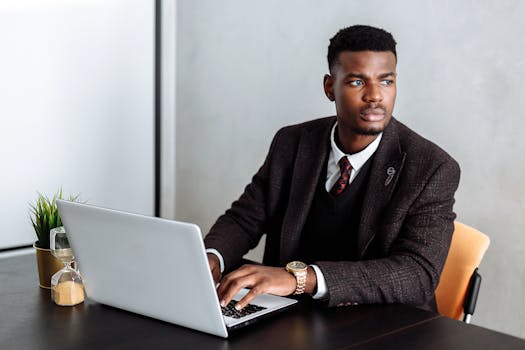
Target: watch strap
x,y
301,282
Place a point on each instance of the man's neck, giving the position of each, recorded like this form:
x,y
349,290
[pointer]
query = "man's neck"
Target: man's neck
x,y
351,142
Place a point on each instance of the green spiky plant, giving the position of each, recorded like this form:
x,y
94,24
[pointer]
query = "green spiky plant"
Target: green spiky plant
x,y
44,216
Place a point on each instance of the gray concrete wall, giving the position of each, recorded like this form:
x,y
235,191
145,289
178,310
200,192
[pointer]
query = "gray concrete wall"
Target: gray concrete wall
x,y
246,68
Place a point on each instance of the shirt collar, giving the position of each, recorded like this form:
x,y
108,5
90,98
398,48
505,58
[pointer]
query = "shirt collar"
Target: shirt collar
x,y
357,160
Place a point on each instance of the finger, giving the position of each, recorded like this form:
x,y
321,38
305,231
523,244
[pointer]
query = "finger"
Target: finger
x,y
226,282
228,290
252,294
234,287
216,276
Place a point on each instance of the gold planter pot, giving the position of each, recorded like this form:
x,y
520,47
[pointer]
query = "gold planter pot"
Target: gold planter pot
x,y
47,264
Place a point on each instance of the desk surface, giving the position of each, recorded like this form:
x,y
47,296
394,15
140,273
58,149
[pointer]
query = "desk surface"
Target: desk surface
x,y
30,320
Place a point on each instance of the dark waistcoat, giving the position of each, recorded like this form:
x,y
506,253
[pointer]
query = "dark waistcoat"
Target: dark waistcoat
x,y
330,231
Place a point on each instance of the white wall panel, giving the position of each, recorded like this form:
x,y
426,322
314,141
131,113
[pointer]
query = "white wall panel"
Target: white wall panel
x,y
77,106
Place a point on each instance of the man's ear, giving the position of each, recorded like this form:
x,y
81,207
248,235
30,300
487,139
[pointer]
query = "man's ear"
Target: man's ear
x,y
328,84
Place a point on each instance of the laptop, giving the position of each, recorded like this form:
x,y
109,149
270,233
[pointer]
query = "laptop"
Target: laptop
x,y
154,267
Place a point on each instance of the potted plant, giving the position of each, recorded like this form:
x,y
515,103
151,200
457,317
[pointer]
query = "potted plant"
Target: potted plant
x,y
44,217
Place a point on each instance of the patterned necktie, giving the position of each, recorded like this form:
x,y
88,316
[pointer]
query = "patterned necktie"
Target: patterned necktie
x,y
343,179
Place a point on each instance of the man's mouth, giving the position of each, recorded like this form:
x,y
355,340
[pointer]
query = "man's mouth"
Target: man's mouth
x,y
373,114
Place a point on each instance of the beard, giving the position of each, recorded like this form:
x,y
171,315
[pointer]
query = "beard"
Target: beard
x,y
367,131
363,128
371,131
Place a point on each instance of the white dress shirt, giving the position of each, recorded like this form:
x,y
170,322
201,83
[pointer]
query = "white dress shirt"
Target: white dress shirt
x,y
357,160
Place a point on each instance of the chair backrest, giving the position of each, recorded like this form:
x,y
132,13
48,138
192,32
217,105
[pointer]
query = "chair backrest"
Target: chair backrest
x,y
466,251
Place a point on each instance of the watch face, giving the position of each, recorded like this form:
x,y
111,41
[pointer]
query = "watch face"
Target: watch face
x,y
297,265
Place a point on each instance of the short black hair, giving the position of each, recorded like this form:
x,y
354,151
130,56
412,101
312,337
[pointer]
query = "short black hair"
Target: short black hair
x,y
359,38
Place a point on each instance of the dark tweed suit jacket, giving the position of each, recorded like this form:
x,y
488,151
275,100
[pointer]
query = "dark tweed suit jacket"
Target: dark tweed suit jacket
x,y
406,223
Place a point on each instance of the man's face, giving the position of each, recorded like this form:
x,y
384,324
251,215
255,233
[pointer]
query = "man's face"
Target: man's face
x,y
363,86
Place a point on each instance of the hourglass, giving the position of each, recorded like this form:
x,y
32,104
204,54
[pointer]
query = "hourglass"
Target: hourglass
x,y
66,285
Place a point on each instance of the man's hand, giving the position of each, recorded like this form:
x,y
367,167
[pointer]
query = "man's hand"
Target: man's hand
x,y
261,279
215,267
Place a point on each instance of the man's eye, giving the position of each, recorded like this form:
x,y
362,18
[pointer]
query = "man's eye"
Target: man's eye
x,y
357,83
387,82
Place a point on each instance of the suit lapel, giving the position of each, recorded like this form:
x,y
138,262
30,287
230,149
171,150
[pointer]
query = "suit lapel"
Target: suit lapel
x,y
314,145
386,166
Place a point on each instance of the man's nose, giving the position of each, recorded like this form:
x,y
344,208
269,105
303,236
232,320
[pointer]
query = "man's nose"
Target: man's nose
x,y
373,93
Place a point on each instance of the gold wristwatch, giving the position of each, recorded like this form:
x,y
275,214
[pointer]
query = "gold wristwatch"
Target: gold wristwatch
x,y
298,269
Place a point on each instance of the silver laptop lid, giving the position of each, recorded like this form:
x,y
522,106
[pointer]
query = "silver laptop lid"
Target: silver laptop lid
x,y
151,266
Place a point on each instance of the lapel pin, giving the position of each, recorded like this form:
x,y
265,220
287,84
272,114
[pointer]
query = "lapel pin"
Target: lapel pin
x,y
390,172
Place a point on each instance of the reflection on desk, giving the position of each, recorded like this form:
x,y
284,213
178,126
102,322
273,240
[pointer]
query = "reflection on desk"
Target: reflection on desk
x,y
30,320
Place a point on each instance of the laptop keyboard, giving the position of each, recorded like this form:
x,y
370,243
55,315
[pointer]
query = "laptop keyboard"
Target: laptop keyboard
x,y
230,310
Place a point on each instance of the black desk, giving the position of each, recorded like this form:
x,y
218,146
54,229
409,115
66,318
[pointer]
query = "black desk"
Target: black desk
x,y
30,320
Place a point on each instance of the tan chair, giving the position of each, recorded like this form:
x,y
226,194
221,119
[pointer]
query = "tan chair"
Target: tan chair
x,y
458,288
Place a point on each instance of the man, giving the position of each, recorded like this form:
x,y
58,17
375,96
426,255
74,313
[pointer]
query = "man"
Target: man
x,y
360,198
